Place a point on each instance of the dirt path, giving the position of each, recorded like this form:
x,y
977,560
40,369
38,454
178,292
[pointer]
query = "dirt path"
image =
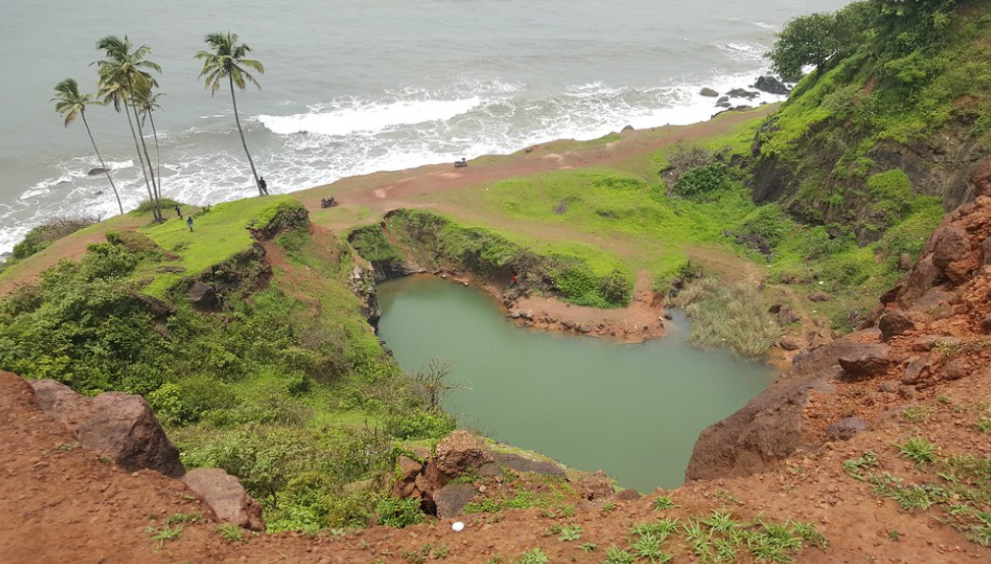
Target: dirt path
x,y
383,191
63,505
72,247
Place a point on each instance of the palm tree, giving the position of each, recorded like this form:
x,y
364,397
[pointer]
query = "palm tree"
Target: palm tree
x,y
123,72
227,61
70,103
146,103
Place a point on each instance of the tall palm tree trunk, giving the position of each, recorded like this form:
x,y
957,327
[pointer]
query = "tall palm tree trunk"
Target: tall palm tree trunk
x,y
141,160
103,165
237,119
141,135
158,155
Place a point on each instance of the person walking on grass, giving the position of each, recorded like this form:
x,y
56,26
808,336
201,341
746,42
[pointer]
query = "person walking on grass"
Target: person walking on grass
x,y
189,223
178,211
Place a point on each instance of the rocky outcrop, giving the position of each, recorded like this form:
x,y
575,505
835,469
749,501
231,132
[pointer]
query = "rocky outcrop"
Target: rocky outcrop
x,y
865,361
772,85
362,282
771,426
459,451
122,426
596,486
246,272
202,296
226,496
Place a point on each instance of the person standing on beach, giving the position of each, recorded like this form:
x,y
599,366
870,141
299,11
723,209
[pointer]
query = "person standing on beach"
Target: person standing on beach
x,y
189,223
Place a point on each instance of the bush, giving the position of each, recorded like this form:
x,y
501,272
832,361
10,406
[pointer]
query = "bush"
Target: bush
x,y
147,206
398,513
702,181
892,194
40,237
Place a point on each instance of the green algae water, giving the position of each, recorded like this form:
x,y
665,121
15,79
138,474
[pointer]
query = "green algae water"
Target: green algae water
x,y
631,410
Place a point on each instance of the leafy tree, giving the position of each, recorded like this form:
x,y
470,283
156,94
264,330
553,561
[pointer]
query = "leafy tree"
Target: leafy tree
x,y
124,71
806,40
70,103
227,60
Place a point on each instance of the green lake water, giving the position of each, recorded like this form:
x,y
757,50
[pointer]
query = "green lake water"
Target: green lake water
x,y
631,410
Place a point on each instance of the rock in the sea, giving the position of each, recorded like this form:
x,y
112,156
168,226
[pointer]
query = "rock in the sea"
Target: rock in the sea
x,y
459,451
226,496
709,92
596,485
96,171
894,323
202,296
866,361
772,85
119,425
723,100
452,498
741,93
846,429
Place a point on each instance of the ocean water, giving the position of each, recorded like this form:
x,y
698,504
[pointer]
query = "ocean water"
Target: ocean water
x,y
357,87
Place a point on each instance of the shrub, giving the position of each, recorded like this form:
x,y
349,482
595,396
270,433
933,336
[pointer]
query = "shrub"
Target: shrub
x,y
398,513
702,181
40,237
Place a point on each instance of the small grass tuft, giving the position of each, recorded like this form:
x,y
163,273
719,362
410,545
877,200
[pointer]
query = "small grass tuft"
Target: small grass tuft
x,y
230,532
919,450
533,556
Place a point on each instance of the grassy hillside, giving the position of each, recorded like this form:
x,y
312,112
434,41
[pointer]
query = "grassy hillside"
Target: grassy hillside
x,y
284,384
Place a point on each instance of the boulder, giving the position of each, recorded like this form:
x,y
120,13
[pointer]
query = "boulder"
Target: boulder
x,y
451,499
409,470
772,85
723,100
981,178
596,485
202,296
865,361
956,369
929,342
709,92
96,171
226,496
921,280
846,429
459,451
951,244
741,93
772,425
522,464
789,343
894,323
905,262
786,315
119,425
627,495
915,370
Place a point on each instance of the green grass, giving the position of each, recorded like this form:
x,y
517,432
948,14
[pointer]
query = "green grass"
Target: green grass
x,y
219,232
918,450
230,532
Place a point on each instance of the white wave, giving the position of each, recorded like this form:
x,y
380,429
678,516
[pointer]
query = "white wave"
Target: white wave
x,y
746,52
763,25
368,117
